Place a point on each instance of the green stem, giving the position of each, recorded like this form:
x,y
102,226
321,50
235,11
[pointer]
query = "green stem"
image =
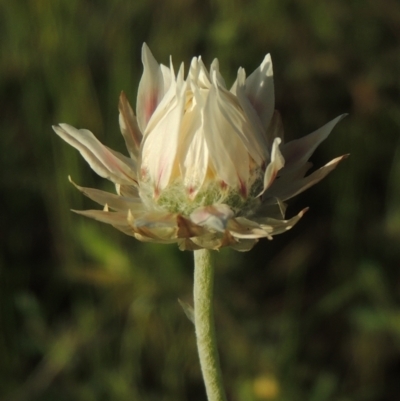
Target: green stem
x,y
204,325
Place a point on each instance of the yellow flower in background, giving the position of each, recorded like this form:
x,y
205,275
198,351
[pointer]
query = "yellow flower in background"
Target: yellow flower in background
x,y
208,166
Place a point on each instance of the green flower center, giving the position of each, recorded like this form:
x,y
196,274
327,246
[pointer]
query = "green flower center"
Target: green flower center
x,y
175,199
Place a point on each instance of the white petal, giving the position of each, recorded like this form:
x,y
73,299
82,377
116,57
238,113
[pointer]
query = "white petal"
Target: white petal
x,y
127,161
127,191
284,182
176,86
275,227
260,91
106,163
288,191
203,79
116,202
297,152
226,135
151,88
241,227
276,163
167,77
258,138
193,151
214,69
129,127
160,144
113,218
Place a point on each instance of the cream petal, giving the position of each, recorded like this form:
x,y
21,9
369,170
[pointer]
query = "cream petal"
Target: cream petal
x,y
153,219
113,218
176,88
115,202
193,151
249,134
276,163
106,163
203,80
195,164
160,145
122,222
275,227
283,182
241,227
288,191
214,69
131,163
129,126
167,76
213,217
258,138
151,88
297,152
260,91
128,191
223,134
194,70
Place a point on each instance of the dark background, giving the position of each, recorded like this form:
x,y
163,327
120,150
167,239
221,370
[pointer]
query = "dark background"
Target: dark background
x,y
87,314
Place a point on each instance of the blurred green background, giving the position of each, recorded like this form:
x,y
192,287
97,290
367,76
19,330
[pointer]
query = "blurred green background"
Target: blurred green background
x,y
87,314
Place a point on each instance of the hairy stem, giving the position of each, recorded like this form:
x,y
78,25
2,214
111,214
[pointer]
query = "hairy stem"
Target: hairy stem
x,y
204,325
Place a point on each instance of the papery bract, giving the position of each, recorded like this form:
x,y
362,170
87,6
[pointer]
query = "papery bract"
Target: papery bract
x,y
208,166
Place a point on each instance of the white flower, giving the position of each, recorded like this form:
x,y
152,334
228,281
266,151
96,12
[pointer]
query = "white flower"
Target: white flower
x,y
207,167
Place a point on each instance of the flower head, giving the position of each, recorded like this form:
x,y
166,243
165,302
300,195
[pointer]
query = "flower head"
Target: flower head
x,y
208,166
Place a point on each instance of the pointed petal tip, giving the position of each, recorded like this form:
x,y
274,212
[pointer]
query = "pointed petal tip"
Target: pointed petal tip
x,y
145,49
267,58
74,184
64,126
59,129
303,212
337,160
122,97
187,309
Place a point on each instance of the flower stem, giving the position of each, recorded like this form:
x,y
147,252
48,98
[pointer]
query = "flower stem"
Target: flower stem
x,y
204,325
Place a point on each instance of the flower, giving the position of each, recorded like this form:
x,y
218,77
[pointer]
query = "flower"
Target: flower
x,y
208,167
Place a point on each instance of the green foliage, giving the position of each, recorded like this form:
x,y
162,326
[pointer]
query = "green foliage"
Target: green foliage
x,y
87,314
